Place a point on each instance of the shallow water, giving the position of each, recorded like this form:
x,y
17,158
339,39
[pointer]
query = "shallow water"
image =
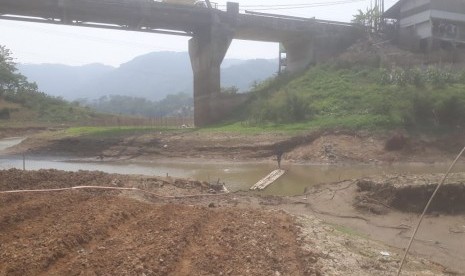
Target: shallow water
x,y
235,175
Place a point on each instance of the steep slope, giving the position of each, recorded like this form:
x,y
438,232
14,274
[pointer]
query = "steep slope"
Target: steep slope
x,y
328,96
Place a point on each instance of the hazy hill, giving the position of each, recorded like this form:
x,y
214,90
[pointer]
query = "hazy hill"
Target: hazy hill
x,y
151,76
62,80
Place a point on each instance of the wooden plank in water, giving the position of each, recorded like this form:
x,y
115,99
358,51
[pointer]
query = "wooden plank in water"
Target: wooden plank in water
x,y
268,180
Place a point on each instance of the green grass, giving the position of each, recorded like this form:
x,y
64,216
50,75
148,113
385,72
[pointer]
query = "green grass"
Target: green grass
x,y
112,131
320,123
326,97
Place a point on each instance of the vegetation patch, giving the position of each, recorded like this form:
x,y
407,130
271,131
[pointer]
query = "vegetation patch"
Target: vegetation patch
x,y
112,131
364,97
31,104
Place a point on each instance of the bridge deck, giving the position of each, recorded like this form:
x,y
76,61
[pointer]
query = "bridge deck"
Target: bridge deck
x,y
147,15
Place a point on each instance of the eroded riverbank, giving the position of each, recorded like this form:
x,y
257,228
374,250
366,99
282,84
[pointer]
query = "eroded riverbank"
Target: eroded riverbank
x,y
324,193
318,147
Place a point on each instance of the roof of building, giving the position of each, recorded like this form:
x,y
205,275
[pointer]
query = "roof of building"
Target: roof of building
x,y
394,11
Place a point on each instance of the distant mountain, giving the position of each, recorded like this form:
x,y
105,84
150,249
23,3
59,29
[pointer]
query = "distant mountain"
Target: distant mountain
x,y
152,76
244,74
62,80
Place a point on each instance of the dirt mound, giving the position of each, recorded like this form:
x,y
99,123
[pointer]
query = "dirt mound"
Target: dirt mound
x,y
411,194
84,232
89,232
79,233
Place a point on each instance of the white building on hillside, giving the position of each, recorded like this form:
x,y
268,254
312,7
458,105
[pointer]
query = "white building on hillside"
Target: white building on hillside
x,y
429,24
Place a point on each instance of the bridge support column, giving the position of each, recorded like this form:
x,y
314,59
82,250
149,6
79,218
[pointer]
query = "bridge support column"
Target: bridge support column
x,y
299,54
207,50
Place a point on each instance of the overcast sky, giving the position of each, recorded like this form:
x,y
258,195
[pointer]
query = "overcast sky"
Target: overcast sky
x,y
42,43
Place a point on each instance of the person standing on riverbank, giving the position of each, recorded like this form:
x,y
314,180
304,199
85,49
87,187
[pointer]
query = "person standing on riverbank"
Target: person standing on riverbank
x,y
279,155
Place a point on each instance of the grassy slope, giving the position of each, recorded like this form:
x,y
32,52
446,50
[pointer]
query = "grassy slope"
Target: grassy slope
x,y
325,97
36,108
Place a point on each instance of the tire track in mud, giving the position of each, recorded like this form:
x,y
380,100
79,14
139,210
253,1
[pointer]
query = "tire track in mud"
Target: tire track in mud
x,y
59,228
183,267
262,245
107,233
118,222
156,251
18,210
164,232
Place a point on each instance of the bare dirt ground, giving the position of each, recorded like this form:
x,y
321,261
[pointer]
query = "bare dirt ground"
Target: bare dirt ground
x,y
386,208
96,232
328,147
6,132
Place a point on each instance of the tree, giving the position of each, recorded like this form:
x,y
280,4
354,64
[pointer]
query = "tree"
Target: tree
x,y
8,76
370,19
232,90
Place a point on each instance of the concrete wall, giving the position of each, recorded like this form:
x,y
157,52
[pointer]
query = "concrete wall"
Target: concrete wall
x,y
453,6
424,30
420,21
450,16
415,19
413,4
414,12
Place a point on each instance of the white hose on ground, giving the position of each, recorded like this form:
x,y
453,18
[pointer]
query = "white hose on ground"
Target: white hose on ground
x,y
108,188
426,209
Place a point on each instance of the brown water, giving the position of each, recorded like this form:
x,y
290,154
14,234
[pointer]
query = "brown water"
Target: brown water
x,y
235,175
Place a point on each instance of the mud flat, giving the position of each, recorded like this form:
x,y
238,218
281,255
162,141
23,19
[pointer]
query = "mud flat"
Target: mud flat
x,y
202,231
322,147
387,207
410,193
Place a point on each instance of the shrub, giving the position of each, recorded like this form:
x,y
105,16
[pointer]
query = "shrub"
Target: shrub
x,y
451,112
5,113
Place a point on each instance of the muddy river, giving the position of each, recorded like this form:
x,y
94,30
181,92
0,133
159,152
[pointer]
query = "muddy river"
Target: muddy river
x,y
235,175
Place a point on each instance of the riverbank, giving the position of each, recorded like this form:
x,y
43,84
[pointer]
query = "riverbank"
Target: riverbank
x,y
131,232
341,214
320,147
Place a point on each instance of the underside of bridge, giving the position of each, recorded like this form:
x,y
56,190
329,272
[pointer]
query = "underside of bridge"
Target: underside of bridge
x,y
306,40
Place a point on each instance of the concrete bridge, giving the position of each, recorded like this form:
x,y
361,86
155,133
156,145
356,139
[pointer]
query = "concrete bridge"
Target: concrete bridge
x,y
306,40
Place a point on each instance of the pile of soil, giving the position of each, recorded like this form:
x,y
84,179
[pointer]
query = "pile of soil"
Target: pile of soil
x,y
107,233
95,232
14,179
411,194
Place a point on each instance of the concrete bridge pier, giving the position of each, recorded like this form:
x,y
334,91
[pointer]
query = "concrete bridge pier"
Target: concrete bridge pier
x,y
207,50
300,54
